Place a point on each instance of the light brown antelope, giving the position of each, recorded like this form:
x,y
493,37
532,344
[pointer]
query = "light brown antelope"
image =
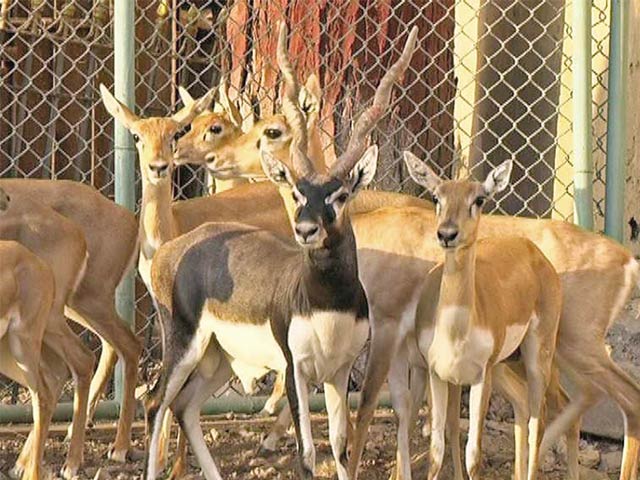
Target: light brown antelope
x,y
495,296
60,244
26,294
92,304
586,262
311,318
27,288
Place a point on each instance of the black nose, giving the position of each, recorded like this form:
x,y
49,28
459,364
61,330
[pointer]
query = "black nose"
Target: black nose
x,y
306,231
159,169
447,235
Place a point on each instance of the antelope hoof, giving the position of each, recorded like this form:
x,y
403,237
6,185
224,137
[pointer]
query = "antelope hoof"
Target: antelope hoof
x,y
16,472
178,471
265,413
117,455
69,472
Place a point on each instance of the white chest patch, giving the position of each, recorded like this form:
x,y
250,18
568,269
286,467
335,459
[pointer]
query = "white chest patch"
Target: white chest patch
x,y
462,360
144,268
324,342
253,345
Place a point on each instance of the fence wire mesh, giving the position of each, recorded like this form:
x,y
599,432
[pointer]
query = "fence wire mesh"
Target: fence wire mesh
x,y
491,80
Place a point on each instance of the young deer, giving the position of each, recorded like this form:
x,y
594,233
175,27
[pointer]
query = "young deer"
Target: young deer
x,y
26,295
495,295
310,311
60,244
92,303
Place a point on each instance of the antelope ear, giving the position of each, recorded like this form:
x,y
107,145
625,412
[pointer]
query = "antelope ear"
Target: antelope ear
x,y
185,96
310,95
363,172
275,170
117,109
421,173
186,114
498,178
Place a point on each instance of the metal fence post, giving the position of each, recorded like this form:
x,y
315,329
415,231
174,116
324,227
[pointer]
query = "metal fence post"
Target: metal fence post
x,y
124,152
617,125
582,121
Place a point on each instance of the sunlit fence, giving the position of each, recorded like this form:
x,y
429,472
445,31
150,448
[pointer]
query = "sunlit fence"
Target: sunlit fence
x,y
492,79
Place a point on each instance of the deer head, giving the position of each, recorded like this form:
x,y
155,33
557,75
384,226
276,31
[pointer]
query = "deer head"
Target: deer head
x,y
155,138
458,202
209,131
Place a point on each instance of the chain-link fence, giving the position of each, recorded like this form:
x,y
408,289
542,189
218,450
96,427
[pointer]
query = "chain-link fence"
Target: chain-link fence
x,y
491,80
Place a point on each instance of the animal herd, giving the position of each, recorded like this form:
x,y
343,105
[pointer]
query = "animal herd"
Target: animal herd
x,y
294,275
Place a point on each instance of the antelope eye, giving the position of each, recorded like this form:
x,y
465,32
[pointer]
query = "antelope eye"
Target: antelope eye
x,y
136,138
216,129
435,200
342,198
273,133
479,201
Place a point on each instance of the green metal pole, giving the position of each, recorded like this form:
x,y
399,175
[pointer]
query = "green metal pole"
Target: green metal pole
x,y
109,410
125,156
616,121
582,122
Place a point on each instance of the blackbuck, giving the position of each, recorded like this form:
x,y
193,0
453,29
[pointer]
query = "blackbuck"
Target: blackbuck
x,y
494,296
58,243
92,303
309,315
26,294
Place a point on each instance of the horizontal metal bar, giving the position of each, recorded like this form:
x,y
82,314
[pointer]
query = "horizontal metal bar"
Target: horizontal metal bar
x,y
109,409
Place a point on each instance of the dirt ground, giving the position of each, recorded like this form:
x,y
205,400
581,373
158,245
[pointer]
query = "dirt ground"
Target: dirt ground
x,y
233,441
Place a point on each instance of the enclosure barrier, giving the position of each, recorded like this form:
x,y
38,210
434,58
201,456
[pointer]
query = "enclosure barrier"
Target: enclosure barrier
x,y
492,79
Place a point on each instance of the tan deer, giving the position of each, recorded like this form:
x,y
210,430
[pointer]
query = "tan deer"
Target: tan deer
x,y
58,243
92,304
26,294
495,295
27,288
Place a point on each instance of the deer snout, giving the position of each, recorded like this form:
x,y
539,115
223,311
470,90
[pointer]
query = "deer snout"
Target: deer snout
x,y
160,170
306,231
447,235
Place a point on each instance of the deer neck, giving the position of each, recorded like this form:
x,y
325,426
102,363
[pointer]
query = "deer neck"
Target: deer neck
x,y
223,185
457,291
157,224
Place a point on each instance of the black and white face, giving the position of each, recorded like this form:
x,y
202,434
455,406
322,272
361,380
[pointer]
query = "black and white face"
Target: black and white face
x,y
318,203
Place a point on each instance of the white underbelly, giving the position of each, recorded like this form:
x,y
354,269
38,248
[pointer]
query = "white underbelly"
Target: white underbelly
x,y
325,342
251,344
512,340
